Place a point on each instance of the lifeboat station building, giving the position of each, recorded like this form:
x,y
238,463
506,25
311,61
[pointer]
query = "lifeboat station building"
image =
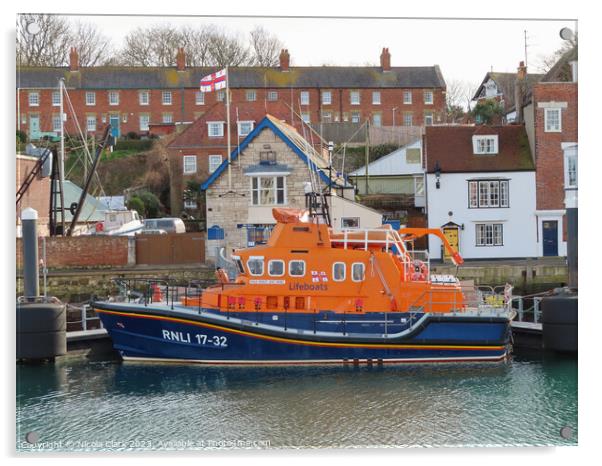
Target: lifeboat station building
x,y
271,168
481,191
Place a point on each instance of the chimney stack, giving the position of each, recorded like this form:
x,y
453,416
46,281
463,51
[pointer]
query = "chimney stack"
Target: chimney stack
x,y
73,60
285,60
181,60
385,60
519,91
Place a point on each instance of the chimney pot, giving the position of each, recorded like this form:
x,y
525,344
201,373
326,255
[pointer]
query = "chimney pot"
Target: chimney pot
x,y
285,60
385,59
181,59
73,60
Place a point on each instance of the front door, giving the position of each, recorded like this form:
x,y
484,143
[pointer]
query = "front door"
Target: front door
x,y
550,237
114,122
453,236
34,127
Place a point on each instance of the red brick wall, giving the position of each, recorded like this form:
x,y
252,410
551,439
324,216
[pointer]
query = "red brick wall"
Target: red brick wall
x,y
37,196
81,251
178,180
184,109
548,151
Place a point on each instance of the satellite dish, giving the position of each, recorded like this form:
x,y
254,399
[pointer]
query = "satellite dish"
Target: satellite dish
x,y
32,28
567,34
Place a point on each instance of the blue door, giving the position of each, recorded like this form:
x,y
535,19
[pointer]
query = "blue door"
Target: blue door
x,y
114,122
550,237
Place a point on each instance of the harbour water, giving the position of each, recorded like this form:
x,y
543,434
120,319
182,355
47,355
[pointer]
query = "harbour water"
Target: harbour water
x,y
78,405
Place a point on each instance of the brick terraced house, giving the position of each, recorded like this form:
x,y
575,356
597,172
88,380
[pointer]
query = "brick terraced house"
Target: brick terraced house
x,y
133,99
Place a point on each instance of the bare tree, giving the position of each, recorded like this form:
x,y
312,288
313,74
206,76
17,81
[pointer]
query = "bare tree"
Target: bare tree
x,y
153,46
546,62
93,47
197,44
265,47
50,46
458,98
228,50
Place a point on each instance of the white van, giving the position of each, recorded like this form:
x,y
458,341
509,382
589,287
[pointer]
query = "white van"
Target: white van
x,y
168,224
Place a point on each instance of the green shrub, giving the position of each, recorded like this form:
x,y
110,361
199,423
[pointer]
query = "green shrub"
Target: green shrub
x,y
21,136
135,203
133,144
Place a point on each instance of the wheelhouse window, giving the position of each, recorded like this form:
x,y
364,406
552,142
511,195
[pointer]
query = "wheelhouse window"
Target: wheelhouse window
x,y
488,193
268,190
239,265
338,271
296,268
358,271
485,144
553,120
489,234
350,222
255,266
276,268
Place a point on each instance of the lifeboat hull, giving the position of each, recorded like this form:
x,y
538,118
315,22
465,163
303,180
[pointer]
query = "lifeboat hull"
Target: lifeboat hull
x,y
163,334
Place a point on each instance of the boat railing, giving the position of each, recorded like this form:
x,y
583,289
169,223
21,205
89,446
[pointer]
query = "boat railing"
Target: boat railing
x,y
387,239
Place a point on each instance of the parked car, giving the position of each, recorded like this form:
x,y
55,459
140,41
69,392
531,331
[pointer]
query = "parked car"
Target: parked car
x,y
169,224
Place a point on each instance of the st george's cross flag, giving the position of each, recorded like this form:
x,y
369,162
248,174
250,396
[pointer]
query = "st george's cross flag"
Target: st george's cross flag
x,y
214,81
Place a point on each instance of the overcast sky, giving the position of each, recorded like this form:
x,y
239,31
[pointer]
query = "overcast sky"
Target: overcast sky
x,y
464,49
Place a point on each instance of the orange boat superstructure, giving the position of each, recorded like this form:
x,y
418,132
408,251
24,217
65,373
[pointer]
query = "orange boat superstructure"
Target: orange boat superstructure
x,y
308,267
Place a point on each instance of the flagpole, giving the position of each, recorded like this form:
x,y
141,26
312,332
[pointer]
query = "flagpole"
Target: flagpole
x,y
228,127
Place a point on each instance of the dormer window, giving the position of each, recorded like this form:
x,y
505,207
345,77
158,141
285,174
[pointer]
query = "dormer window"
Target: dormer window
x,y
485,145
245,127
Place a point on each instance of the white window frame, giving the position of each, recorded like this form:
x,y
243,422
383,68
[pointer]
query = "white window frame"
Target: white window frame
x,y
56,98
306,117
189,158
199,98
190,204
113,101
571,154
334,277
167,118
481,234
547,112
354,98
212,164
140,119
363,272
325,100
141,98
272,96
375,97
260,260
428,97
304,97
220,96
488,194
34,99
240,123
485,144
215,124
250,95
380,119
429,116
291,263
56,118
88,121
275,188
276,274
324,119
356,117
166,98
407,97
90,99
